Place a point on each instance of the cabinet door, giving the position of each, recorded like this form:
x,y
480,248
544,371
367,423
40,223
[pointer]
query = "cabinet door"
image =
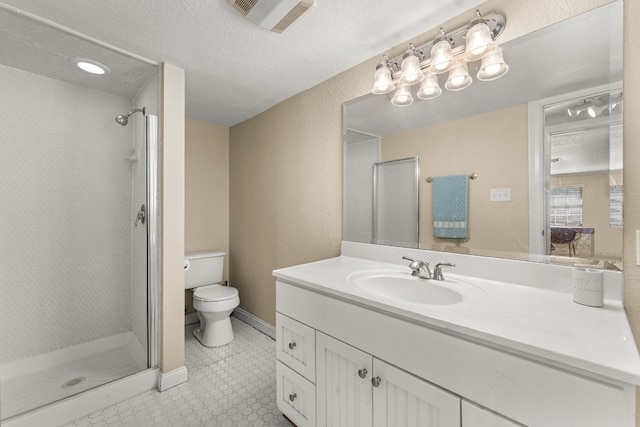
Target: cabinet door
x,y
343,384
475,416
400,399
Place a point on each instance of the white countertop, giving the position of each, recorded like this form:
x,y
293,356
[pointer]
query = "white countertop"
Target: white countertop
x,y
544,324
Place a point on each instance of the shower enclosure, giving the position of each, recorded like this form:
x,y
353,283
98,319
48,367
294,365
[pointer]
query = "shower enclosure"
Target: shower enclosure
x,y
78,218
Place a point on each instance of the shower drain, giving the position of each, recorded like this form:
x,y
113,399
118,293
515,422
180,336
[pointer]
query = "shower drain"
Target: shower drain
x,y
73,382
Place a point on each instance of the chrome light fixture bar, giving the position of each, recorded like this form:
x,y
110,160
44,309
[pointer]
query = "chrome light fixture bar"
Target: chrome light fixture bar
x,y
448,52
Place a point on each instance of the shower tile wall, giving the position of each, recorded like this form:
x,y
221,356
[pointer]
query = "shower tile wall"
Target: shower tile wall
x,y
65,215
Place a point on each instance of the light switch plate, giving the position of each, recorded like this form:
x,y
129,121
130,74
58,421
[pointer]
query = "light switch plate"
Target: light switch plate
x,y
500,194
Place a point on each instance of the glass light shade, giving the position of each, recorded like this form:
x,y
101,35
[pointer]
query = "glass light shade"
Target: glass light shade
x,y
402,97
429,88
493,66
441,57
382,80
410,67
478,42
459,77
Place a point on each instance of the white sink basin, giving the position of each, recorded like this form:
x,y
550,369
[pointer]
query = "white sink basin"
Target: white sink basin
x,y
402,287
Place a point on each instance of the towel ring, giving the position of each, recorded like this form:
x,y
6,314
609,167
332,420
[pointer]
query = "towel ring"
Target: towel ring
x,y
472,175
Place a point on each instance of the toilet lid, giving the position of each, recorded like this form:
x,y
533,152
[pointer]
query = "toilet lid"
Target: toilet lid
x,y
215,293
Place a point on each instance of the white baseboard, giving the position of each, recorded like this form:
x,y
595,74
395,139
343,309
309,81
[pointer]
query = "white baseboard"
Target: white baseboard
x,y
166,380
255,322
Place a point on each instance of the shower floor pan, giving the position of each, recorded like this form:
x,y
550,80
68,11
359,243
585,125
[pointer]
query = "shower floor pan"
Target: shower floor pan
x,y
31,383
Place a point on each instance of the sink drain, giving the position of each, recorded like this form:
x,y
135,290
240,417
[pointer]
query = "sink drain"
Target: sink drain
x,y
73,382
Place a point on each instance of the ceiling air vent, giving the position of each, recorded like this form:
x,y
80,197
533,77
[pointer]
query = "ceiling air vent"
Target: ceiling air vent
x,y
274,15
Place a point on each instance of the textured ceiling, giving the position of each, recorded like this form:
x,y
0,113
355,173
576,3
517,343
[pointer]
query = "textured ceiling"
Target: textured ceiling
x,y
235,69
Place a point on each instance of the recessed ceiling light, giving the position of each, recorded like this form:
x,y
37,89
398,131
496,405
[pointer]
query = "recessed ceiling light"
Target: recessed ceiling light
x,y
90,66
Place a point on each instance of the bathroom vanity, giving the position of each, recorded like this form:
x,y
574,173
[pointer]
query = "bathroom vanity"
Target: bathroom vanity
x,y
362,342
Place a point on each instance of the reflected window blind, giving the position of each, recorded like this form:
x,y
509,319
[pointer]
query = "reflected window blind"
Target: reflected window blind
x,y
565,207
615,205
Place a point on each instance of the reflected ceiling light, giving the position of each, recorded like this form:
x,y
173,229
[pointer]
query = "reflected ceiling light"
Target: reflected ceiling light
x,y
448,52
459,77
575,110
429,88
402,96
596,108
90,66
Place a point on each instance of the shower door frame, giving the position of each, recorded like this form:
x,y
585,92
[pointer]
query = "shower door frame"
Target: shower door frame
x,y
154,247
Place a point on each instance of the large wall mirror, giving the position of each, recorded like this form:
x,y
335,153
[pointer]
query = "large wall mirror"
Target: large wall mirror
x,y
544,141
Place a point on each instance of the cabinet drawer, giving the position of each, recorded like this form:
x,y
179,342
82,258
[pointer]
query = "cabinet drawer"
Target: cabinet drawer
x,y
296,396
295,346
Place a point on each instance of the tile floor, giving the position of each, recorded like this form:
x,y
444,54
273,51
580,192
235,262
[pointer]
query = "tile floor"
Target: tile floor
x,y
234,385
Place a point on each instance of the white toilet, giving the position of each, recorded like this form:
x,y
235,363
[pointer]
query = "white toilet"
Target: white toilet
x,y
214,302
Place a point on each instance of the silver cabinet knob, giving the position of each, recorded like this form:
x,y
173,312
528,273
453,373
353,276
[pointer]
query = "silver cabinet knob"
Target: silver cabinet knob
x,y
292,345
376,381
362,373
292,397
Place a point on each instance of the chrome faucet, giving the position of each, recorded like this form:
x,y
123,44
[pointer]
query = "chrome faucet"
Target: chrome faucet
x,y
419,268
437,271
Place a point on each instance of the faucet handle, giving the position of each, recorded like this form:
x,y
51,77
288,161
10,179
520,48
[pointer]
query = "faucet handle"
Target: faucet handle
x,y
437,270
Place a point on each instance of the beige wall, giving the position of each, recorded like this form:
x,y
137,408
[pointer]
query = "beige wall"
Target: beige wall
x,y
495,146
206,191
172,293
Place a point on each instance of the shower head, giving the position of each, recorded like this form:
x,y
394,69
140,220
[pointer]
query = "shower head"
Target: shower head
x,y
123,119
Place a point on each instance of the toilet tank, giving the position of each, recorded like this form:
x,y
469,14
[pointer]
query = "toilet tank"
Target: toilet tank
x,y
203,268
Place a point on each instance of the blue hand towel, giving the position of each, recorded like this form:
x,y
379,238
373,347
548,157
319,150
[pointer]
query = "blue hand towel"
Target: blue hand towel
x,y
451,207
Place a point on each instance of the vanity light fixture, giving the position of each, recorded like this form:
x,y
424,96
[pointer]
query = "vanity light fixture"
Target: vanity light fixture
x,y
448,52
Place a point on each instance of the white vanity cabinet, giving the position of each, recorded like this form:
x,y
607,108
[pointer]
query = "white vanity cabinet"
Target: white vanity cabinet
x,y
356,389
427,376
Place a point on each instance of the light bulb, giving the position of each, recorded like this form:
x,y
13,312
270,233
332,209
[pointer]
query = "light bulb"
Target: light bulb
x,y
429,87
493,66
410,67
402,97
478,42
459,77
382,80
441,56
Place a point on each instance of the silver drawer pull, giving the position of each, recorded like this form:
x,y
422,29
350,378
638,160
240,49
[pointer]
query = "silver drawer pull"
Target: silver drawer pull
x,y
376,381
292,397
362,373
292,345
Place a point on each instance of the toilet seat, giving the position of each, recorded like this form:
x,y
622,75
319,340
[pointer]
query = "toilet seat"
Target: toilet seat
x,y
215,293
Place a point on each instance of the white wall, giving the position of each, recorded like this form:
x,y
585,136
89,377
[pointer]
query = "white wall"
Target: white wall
x,y
64,216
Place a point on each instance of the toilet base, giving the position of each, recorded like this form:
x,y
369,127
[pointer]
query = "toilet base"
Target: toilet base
x,y
214,333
